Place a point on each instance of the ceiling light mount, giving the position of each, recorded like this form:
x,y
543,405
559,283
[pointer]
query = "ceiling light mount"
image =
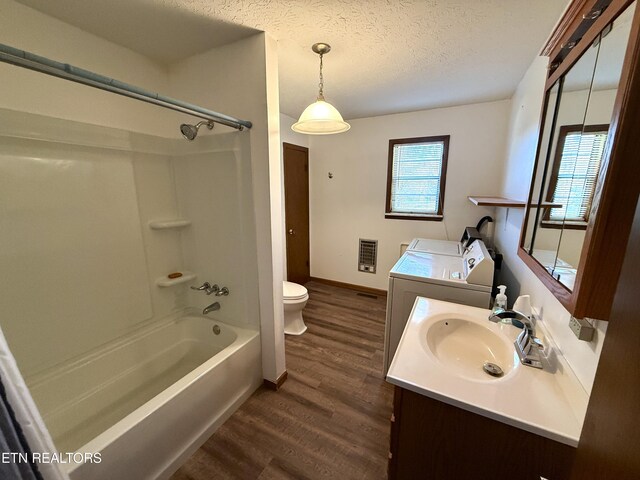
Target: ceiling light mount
x,y
320,118
321,48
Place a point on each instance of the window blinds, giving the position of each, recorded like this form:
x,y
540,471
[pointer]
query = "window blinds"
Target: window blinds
x,y
577,175
415,184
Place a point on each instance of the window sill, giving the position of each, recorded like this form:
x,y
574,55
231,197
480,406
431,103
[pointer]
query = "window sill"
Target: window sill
x,y
568,225
414,216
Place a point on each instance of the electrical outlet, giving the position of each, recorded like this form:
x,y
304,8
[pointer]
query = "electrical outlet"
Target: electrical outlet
x,y
582,328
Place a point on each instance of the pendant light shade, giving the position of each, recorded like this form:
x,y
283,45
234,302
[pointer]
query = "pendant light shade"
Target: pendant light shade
x,y
320,118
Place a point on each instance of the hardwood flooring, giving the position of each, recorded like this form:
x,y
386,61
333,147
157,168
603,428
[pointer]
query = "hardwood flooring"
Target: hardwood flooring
x,y
330,419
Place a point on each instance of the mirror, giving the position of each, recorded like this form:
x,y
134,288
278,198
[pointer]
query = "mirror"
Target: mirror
x,y
578,110
546,144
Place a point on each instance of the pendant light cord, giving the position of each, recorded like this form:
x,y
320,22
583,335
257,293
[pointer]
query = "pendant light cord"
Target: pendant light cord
x,y
321,84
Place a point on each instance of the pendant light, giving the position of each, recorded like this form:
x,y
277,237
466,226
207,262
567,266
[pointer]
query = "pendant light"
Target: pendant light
x,y
320,118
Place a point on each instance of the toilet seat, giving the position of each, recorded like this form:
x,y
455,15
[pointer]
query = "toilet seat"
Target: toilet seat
x,y
292,291
293,301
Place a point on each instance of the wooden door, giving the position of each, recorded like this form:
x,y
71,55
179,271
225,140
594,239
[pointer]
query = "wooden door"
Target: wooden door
x,y
296,199
610,442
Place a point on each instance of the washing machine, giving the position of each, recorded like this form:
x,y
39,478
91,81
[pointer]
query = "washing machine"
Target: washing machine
x,y
436,247
466,279
451,247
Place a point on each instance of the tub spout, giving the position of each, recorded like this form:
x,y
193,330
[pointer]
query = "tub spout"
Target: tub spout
x,y
211,308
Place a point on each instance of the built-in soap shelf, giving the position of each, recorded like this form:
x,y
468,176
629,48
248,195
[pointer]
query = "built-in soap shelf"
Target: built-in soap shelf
x,y
170,282
168,224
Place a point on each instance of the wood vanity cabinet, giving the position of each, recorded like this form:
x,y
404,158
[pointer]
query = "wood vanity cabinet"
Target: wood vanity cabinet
x,y
434,440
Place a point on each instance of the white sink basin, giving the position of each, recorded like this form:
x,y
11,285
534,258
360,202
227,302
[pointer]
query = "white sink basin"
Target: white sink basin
x,y
464,346
441,354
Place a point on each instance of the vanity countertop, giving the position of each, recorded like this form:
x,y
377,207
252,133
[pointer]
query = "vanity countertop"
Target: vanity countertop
x,y
549,402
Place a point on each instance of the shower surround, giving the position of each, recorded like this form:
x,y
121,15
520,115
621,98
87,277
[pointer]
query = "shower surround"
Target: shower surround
x,y
104,342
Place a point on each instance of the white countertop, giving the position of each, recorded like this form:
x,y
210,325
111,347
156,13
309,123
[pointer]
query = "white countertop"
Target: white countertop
x,y
550,402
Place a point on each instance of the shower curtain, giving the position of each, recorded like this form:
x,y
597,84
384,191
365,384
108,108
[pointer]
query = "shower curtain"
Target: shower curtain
x,y
16,454
22,430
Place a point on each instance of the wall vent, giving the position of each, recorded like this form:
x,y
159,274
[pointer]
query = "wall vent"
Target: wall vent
x,y
367,256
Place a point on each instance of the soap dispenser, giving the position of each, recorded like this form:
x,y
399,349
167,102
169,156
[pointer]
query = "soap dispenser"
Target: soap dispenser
x,y
501,302
501,299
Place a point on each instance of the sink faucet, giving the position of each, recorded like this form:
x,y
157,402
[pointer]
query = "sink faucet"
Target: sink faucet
x,y
211,308
527,345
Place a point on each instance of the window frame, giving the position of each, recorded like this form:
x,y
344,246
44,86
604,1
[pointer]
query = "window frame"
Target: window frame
x,y
439,215
563,131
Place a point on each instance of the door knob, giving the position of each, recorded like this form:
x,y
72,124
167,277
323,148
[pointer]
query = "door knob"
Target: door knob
x,y
292,231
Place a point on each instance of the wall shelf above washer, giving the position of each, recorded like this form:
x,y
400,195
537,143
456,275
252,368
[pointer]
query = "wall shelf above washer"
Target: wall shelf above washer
x,y
170,282
495,202
506,202
167,224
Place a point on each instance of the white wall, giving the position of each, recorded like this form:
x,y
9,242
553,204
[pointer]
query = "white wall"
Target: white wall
x,y
271,271
351,205
27,29
526,107
242,79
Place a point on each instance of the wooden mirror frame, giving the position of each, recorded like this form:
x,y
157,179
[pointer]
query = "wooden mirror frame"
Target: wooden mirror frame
x,y
618,184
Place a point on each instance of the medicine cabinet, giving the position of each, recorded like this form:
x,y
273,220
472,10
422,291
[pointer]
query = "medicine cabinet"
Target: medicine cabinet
x,y
586,176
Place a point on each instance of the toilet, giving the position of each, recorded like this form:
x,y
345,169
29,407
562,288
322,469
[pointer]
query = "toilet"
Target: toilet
x,y
295,298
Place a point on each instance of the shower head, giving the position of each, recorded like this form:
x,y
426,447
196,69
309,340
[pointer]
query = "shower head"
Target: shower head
x,y
191,131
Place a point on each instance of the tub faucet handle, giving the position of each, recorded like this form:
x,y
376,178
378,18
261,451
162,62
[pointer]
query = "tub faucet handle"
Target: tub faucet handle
x,y
207,288
223,292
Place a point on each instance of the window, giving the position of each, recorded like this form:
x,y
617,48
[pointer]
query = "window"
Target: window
x,y
575,173
416,177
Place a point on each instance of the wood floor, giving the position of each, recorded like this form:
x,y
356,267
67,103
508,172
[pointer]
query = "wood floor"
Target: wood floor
x,y
330,419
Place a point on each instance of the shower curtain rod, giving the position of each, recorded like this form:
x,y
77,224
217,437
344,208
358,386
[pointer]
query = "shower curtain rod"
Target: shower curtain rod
x,y
40,64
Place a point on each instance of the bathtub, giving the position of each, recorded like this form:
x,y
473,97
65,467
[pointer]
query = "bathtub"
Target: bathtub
x,y
147,402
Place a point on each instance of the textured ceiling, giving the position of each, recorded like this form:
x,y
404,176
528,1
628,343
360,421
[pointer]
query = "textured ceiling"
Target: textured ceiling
x,y
387,55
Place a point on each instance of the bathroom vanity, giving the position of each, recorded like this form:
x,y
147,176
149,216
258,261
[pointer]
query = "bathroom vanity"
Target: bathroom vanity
x,y
431,439
451,419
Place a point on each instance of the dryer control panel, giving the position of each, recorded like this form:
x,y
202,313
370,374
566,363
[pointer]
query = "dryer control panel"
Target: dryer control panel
x,y
477,264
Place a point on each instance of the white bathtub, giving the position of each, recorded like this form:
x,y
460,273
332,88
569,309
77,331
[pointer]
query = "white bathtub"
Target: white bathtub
x,y
149,401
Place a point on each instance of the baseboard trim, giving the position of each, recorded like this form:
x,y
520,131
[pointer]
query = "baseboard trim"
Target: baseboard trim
x,y
277,384
351,286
